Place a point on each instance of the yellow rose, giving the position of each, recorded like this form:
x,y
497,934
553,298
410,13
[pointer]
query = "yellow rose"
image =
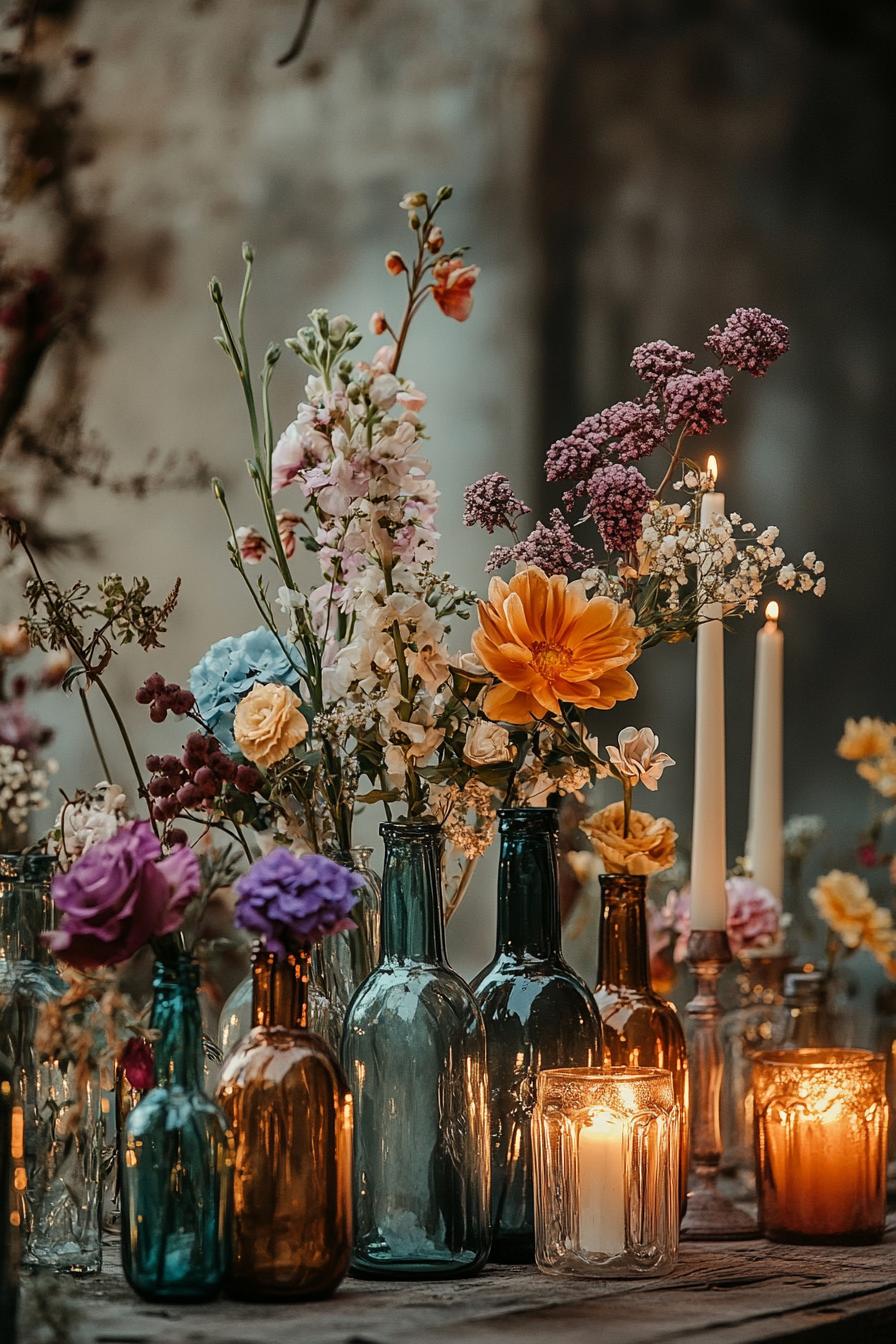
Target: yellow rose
x,y
648,848
268,723
865,737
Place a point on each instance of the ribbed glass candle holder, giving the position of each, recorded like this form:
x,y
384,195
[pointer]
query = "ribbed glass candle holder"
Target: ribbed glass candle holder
x,y
606,1146
820,1126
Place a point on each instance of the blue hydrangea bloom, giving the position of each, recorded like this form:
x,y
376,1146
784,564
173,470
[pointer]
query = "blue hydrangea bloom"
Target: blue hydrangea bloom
x,y
230,668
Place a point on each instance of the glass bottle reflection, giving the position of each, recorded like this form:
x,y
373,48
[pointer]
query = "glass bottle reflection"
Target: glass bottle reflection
x,y
757,1023
808,1019
60,1203
177,1161
538,1015
414,1054
337,971
284,1095
641,1029
9,1250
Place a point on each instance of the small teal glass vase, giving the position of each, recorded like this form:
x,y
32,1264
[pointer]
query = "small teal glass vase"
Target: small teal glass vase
x,y
176,1160
414,1053
538,1015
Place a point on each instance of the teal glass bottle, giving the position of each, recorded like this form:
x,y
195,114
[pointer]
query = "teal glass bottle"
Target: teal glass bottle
x,y
176,1161
538,1015
414,1052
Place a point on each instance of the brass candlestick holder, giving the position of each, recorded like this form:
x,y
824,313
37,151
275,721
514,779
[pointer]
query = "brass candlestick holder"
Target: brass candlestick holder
x,y
710,1215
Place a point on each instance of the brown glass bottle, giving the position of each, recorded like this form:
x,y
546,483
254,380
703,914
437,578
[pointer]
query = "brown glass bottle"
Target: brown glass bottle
x,y
641,1029
285,1097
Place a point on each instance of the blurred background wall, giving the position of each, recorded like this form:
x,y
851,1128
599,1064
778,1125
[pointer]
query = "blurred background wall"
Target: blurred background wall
x,y
623,171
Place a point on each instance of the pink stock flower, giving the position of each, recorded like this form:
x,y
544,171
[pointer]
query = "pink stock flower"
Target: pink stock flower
x,y
300,446
253,547
452,287
286,529
412,399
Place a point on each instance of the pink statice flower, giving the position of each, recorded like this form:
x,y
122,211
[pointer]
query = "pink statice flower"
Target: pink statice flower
x,y
657,361
618,498
697,400
490,503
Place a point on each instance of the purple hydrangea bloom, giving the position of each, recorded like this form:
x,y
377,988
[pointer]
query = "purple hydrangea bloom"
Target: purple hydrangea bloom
x,y
697,400
750,340
656,361
551,546
618,497
292,900
120,895
491,503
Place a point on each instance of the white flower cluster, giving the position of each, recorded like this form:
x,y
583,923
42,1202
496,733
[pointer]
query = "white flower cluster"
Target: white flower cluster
x,y
725,562
23,785
379,612
86,820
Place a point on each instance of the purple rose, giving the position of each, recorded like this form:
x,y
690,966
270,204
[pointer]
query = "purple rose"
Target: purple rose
x,y
120,895
290,900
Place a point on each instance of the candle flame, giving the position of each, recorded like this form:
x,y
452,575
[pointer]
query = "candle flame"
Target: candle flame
x,y
712,469
771,612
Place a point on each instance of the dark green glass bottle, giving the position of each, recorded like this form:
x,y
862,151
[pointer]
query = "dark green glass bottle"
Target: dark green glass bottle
x,y
538,1015
414,1055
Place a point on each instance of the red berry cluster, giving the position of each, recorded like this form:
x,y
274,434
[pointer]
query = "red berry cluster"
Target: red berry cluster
x,y
164,697
196,778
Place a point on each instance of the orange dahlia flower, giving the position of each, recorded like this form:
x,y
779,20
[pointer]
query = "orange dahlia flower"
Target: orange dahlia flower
x,y
545,640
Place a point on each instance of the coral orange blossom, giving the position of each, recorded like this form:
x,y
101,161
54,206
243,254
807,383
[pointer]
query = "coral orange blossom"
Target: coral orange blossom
x,y
546,641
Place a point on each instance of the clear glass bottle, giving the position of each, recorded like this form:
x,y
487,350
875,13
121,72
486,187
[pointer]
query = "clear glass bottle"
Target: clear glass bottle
x,y
641,1029
337,972
61,1204
757,1023
9,1249
808,1021
414,1053
538,1015
285,1097
177,1161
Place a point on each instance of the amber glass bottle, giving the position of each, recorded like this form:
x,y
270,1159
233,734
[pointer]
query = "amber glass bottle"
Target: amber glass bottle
x,y
285,1097
640,1028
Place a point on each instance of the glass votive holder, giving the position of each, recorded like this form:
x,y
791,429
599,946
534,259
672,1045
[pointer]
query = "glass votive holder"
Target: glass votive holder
x,y
606,1149
820,1129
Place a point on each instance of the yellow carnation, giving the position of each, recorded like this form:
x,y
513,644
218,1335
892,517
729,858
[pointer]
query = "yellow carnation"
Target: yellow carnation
x,y
845,905
268,723
865,737
648,848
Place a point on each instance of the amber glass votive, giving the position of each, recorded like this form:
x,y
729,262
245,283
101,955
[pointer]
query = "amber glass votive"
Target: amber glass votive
x,y
820,1128
606,1150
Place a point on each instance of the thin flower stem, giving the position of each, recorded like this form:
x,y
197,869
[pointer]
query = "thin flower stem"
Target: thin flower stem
x,y
107,773
673,463
461,889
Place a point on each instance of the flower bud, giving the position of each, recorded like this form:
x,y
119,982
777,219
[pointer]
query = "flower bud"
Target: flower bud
x,y
214,289
395,263
248,252
435,239
413,220
444,193
412,200
340,326
377,323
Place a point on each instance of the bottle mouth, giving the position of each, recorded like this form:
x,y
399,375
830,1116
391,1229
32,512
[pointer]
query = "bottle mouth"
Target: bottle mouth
x,y
410,830
528,818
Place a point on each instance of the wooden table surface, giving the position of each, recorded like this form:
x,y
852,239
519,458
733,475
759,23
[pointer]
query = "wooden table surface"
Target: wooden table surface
x,y
729,1293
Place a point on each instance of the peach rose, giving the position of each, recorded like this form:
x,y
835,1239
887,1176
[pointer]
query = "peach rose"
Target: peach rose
x,y
268,723
648,848
487,743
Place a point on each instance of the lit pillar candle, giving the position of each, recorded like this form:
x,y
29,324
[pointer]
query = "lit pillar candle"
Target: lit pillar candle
x,y
765,845
602,1184
708,860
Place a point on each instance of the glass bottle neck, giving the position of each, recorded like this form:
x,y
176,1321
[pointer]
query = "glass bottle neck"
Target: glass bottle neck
x,y
176,1017
280,988
528,898
26,907
622,957
413,927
